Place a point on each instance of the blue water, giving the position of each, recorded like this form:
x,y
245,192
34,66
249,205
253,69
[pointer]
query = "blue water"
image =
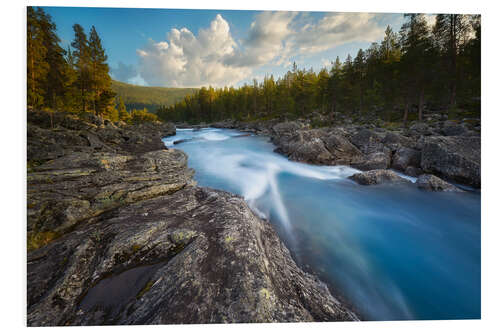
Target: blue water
x,y
393,252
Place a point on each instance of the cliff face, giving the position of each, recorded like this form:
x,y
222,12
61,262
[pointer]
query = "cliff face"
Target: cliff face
x,y
119,233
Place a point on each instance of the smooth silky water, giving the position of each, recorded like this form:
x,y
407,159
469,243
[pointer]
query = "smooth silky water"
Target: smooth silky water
x,y
392,252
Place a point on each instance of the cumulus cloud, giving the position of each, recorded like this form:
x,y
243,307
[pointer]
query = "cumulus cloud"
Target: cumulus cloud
x,y
186,60
335,29
123,72
266,39
214,58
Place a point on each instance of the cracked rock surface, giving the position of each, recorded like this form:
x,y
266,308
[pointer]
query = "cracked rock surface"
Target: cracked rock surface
x,y
135,241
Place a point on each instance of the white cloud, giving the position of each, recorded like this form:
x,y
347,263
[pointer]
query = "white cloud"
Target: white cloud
x,y
187,60
214,58
266,39
335,29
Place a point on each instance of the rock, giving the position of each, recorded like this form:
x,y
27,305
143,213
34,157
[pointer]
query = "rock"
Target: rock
x,y
405,157
420,128
342,151
433,183
454,157
454,129
395,141
413,171
122,235
378,177
373,161
367,141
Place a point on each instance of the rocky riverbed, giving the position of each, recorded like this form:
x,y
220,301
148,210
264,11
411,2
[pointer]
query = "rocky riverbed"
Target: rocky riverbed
x,y
119,233
447,149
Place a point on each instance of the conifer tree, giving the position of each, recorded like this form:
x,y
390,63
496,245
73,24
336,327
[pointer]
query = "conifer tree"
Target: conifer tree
x,y
37,66
122,110
81,56
54,82
102,94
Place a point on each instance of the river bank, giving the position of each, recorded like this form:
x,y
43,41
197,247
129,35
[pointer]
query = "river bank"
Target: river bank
x,y
109,205
447,149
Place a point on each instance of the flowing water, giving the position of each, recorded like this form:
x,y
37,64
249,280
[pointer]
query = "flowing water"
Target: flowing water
x,y
394,252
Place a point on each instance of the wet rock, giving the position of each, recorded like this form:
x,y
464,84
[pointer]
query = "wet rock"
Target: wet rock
x,y
413,171
373,177
405,157
373,161
433,183
454,157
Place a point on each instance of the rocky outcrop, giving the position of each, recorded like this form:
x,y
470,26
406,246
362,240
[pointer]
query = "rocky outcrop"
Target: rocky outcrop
x,y
133,240
419,149
456,158
433,183
406,157
374,177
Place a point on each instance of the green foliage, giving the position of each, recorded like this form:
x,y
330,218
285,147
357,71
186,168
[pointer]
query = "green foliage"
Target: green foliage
x,y
142,116
75,80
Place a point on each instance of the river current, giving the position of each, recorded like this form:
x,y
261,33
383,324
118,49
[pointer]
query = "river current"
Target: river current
x,y
393,252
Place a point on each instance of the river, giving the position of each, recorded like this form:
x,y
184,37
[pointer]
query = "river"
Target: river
x,y
393,252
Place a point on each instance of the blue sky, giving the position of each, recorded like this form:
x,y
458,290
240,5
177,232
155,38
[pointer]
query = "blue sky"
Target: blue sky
x,y
192,48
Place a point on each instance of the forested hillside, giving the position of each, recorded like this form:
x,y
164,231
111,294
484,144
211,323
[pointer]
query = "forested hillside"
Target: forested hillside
x,y
140,97
423,67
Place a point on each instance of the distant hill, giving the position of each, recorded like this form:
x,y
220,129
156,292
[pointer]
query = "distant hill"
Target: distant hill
x,y
140,97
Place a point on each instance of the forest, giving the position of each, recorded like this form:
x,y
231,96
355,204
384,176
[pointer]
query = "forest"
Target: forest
x,y
420,67
74,80
140,97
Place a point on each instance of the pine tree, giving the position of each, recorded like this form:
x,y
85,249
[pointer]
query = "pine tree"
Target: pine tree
x,y
54,82
102,95
81,56
451,34
416,46
37,66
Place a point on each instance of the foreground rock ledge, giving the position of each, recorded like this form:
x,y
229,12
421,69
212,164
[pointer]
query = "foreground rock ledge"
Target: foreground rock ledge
x,y
180,253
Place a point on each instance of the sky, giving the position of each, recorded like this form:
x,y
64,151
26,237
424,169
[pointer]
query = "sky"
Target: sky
x,y
194,48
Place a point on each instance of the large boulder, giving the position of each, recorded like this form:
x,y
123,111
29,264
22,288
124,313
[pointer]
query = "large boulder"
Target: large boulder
x,y
373,161
433,183
405,157
394,141
343,152
308,146
373,177
367,141
456,158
